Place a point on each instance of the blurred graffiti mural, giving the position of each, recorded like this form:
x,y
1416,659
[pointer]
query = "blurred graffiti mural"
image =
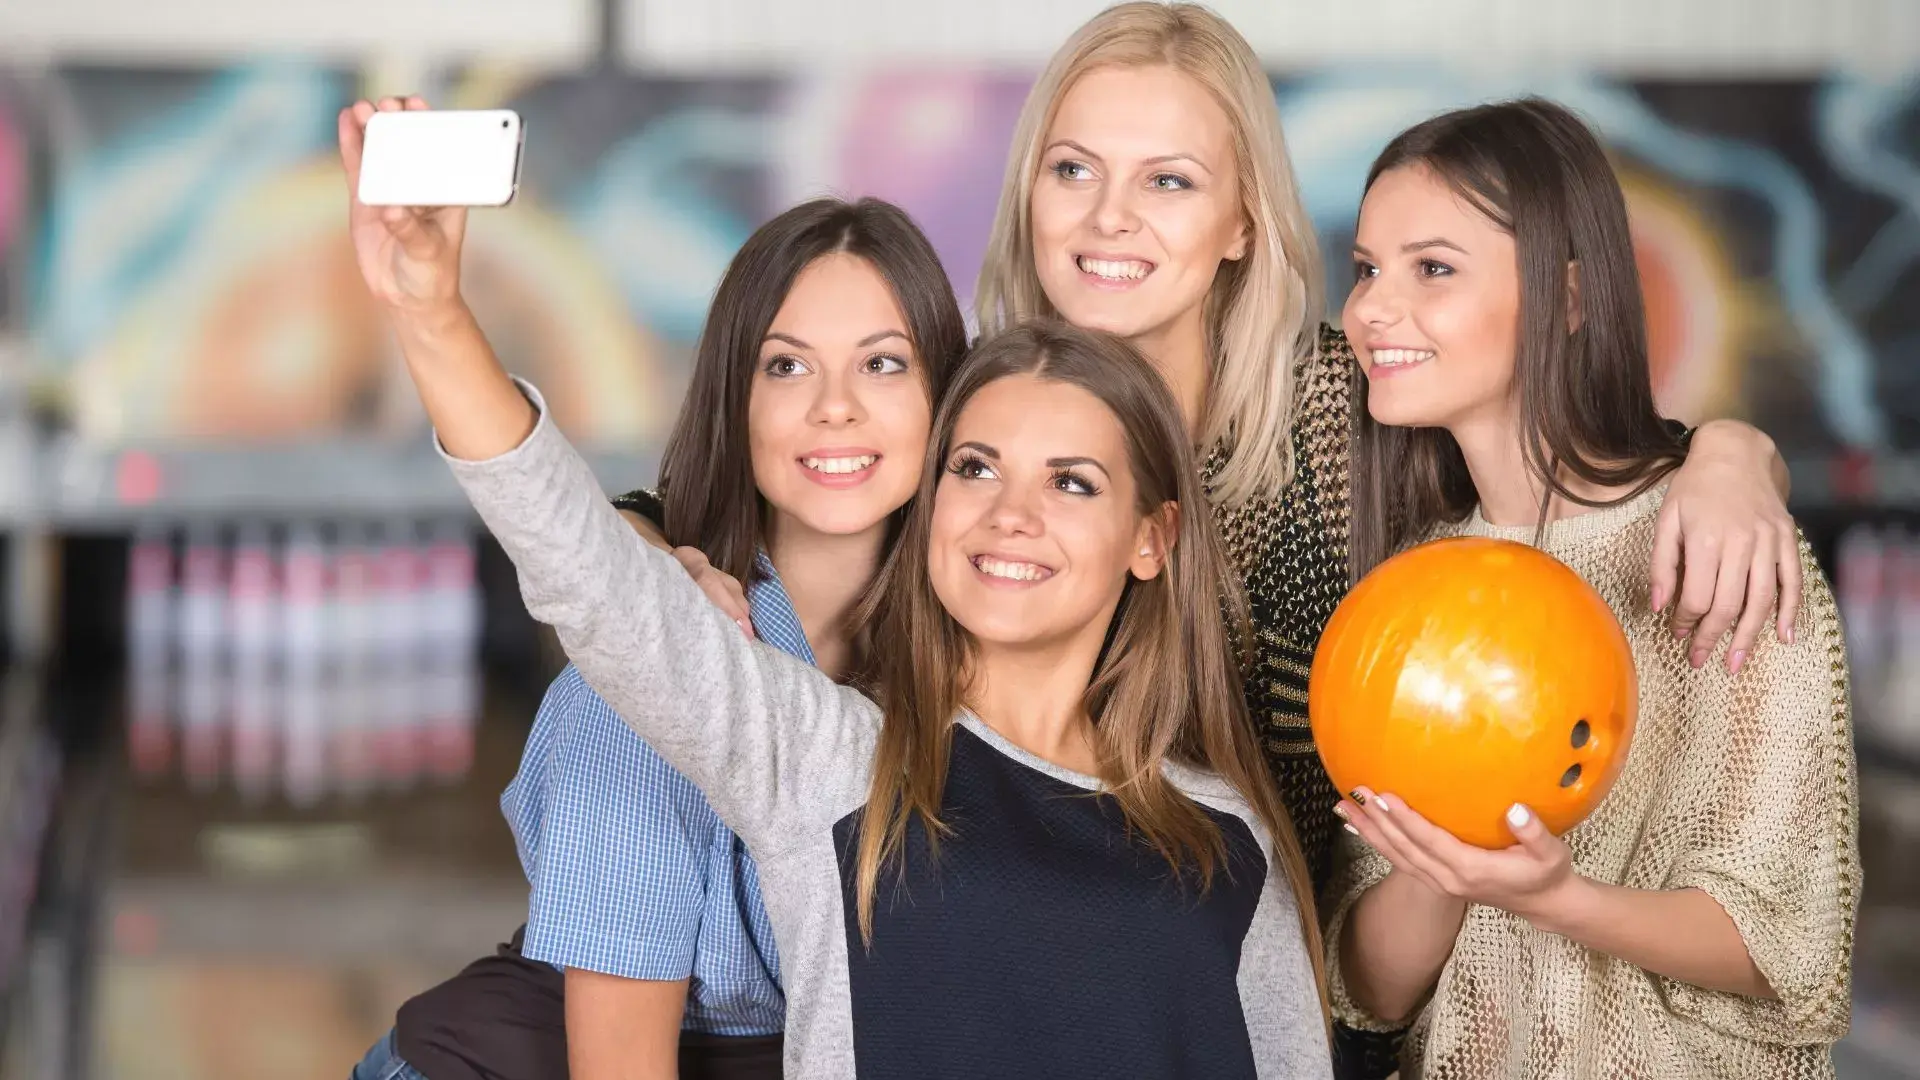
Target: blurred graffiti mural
x,y
190,277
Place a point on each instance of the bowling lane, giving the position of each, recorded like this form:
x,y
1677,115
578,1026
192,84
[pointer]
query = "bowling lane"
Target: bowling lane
x,y
273,760
209,926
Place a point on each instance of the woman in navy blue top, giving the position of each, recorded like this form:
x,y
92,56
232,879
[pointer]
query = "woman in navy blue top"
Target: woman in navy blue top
x,y
800,439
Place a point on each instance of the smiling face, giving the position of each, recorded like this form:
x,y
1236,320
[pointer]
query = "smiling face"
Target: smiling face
x,y
1035,522
838,416
1434,313
1137,204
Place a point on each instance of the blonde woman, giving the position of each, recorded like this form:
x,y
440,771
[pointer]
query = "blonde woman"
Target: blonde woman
x,y
1148,194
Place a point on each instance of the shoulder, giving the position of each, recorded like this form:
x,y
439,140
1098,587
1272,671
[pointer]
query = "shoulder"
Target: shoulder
x,y
647,502
1211,790
598,758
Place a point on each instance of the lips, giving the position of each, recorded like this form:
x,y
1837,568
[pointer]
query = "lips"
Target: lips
x,y
1392,360
1011,571
839,466
1113,271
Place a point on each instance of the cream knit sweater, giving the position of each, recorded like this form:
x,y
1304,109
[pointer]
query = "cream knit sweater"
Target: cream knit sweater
x,y
1741,786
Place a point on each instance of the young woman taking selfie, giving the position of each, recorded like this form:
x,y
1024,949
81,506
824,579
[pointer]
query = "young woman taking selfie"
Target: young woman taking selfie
x,y
648,951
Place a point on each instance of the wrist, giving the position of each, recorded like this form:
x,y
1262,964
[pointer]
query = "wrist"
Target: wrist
x,y
1732,439
431,321
1564,908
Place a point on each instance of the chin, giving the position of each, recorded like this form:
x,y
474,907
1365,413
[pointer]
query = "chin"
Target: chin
x,y
1387,409
1106,314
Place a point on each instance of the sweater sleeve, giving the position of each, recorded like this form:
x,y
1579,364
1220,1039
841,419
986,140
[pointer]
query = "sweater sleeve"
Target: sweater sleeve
x,y
777,747
1777,843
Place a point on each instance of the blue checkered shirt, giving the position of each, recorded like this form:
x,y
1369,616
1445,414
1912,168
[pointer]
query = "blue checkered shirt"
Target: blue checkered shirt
x,y
632,872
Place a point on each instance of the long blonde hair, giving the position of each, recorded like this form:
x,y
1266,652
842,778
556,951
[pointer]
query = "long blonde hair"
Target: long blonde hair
x,y
1167,684
1264,311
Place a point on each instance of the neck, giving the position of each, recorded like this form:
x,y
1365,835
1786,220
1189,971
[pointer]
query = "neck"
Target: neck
x,y
1509,491
824,574
1179,351
1035,698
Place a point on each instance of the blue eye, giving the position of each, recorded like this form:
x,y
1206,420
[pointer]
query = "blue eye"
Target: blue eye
x,y
1180,183
1065,170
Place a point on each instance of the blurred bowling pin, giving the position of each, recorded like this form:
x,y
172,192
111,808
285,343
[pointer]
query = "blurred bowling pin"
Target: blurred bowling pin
x,y
202,632
453,687
351,644
255,623
1898,722
150,629
305,625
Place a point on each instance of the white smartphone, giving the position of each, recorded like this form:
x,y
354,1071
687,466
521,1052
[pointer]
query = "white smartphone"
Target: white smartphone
x,y
453,157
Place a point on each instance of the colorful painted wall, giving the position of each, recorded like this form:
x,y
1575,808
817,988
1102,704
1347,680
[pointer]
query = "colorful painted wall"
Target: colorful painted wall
x,y
188,277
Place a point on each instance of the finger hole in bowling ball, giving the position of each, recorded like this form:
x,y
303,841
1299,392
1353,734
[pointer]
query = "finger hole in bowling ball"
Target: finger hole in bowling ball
x,y
1571,776
1581,731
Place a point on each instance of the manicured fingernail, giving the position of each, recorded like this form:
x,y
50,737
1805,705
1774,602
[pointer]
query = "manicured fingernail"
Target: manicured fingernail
x,y
1697,658
1340,809
1359,797
1659,601
1517,816
1351,829
1789,635
1381,802
1733,665
1680,631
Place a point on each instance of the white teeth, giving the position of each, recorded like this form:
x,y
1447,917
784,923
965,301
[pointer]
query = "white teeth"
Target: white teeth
x,y
1116,271
1012,571
840,464
1392,357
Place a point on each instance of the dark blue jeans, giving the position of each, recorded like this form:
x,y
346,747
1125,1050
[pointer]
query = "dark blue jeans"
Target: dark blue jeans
x,y
383,1062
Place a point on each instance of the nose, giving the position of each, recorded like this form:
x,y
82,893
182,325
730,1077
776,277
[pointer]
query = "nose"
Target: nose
x,y
836,402
1376,302
1016,511
1115,213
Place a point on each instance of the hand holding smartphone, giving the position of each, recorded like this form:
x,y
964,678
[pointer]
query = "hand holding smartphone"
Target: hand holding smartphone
x,y
427,158
411,176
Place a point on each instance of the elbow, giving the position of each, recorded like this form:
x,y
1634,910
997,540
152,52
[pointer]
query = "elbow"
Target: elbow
x,y
1392,1010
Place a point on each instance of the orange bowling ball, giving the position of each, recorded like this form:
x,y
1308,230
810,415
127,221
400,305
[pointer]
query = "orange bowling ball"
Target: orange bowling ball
x,y
1467,674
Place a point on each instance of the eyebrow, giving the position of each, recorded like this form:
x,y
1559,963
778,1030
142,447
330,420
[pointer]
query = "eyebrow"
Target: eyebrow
x,y
992,454
1419,245
874,338
1161,160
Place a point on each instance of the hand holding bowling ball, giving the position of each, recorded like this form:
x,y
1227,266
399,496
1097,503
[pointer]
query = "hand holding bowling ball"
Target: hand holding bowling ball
x,y
1532,878
1467,675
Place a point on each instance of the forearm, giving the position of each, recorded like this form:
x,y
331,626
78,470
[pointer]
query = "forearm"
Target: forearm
x,y
1682,934
1743,444
1394,943
623,1029
476,410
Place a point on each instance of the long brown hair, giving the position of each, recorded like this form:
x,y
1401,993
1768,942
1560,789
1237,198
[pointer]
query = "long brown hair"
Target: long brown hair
x,y
1166,686
1586,392
706,469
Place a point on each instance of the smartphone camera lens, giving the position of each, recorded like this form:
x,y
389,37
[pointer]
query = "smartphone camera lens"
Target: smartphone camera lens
x,y
504,124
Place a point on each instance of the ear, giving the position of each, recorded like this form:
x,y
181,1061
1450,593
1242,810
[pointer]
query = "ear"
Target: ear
x,y
1242,239
1576,308
1154,542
